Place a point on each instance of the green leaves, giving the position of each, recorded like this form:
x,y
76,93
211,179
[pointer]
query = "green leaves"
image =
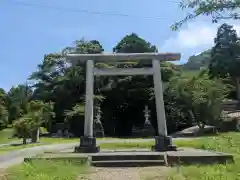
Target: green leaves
x,y
216,9
134,44
196,62
201,96
225,53
88,47
77,110
3,116
38,114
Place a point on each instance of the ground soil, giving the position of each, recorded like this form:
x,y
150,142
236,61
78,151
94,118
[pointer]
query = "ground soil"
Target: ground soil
x,y
141,173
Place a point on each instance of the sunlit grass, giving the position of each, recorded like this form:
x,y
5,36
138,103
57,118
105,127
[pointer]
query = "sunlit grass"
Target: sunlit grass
x,y
5,136
127,145
228,143
47,170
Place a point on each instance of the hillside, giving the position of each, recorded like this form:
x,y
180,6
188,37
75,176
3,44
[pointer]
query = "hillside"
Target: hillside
x,y
195,62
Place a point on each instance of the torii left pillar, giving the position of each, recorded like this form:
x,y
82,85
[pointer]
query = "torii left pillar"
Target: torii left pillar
x,y
88,142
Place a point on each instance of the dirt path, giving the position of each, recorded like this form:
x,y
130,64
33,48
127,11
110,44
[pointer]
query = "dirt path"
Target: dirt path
x,y
146,173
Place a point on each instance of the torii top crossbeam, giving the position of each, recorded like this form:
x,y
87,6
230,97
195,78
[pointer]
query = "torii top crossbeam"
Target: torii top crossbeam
x,y
124,56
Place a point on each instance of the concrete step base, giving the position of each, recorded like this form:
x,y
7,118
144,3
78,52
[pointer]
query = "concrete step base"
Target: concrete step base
x,y
128,163
127,156
128,159
86,149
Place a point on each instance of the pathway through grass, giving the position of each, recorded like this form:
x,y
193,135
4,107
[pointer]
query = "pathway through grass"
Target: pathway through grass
x,y
43,141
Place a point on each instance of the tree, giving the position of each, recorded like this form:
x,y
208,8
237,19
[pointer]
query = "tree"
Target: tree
x,y
39,113
225,55
216,9
77,110
3,109
134,44
17,101
125,100
22,128
200,96
3,116
196,62
208,96
58,81
88,47
170,70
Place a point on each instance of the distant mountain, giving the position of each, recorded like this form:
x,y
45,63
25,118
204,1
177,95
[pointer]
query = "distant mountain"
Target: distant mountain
x,y
196,62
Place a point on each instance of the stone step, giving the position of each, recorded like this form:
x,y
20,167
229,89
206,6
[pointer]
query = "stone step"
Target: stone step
x,y
127,156
128,163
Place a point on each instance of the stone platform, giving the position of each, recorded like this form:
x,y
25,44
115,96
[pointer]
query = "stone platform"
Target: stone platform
x,y
140,157
197,156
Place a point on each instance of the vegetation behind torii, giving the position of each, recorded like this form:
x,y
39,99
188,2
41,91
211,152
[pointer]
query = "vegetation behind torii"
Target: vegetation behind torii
x,y
57,91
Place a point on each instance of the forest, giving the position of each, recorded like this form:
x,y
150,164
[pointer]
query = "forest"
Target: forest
x,y
55,92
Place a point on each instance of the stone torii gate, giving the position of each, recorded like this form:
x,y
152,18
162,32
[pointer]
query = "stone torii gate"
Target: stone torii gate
x,y
88,143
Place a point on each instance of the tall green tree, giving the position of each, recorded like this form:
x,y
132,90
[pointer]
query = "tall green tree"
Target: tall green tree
x,y
218,10
17,101
58,81
132,43
4,121
225,55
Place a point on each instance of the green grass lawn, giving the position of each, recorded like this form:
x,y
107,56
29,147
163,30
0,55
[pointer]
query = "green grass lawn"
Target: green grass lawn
x,y
5,136
127,145
228,143
63,170
46,170
194,143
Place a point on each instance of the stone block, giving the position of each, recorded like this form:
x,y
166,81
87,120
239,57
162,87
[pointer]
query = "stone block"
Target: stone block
x,y
163,143
99,134
87,145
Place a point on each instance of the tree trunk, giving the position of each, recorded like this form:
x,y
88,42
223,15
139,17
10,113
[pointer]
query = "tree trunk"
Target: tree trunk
x,y
35,136
24,140
238,87
192,116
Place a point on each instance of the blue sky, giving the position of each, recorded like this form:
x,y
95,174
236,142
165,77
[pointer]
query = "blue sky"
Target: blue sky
x,y
28,32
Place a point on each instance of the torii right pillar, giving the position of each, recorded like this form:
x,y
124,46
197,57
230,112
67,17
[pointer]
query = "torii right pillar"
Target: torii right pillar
x,y
163,142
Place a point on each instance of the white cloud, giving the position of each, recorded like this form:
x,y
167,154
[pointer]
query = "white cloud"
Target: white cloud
x,y
195,36
193,39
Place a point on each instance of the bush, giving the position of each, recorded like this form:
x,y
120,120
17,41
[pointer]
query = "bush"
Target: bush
x,y
200,98
42,130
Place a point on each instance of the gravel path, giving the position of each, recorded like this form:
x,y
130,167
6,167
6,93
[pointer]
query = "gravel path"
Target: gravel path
x,y
17,156
143,173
